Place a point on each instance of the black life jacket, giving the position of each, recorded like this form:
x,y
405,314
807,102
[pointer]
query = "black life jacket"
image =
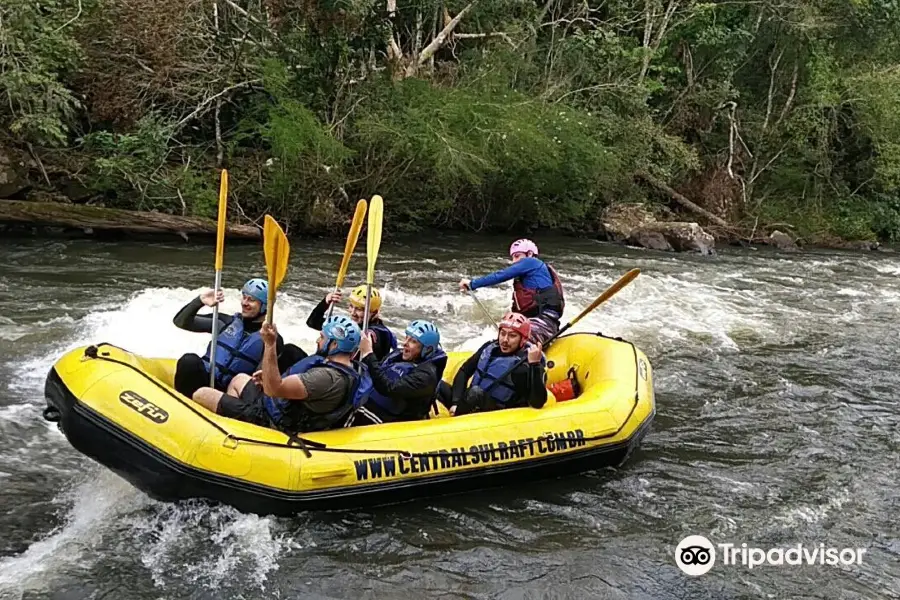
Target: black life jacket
x,y
382,329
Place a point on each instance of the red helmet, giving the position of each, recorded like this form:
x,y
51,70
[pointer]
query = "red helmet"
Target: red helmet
x,y
518,323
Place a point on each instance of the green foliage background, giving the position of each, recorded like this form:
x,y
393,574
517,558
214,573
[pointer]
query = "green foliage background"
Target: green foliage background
x,y
528,114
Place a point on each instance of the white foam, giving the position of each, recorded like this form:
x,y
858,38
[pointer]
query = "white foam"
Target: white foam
x,y
96,503
231,543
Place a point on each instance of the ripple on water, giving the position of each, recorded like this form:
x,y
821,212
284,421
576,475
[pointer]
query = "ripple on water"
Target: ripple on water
x,y
777,424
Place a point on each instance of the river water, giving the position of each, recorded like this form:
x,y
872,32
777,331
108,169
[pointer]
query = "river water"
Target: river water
x,y
776,379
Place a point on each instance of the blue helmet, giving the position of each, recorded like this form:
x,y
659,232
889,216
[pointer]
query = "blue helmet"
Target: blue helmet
x,y
344,331
427,334
258,289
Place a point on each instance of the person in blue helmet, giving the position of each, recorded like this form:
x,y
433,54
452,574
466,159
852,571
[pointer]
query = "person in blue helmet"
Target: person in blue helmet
x,y
383,338
317,393
239,345
406,380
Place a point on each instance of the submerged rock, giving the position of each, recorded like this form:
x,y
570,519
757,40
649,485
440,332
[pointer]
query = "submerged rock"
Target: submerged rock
x,y
648,238
783,241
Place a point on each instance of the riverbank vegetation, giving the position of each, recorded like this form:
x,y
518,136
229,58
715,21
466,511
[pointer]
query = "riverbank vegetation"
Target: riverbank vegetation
x,y
469,114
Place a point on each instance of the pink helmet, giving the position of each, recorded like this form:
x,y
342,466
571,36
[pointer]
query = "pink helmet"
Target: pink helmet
x,y
523,245
518,323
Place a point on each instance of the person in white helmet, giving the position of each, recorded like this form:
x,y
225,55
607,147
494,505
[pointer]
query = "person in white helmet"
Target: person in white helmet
x,y
537,290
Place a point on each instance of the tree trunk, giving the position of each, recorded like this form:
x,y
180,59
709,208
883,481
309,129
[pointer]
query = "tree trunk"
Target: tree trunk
x,y
661,185
95,218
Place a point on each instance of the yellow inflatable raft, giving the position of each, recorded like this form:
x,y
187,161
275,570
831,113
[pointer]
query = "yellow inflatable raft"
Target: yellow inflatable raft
x,y
120,409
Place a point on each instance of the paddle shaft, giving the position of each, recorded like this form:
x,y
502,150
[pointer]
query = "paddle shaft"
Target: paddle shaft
x,y
331,306
215,331
366,312
220,256
482,307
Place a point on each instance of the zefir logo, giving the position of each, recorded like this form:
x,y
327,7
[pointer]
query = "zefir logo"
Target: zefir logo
x,y
695,555
135,401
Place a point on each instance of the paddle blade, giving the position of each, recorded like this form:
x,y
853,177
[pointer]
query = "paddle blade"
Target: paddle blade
x,y
373,242
352,238
277,251
609,293
220,230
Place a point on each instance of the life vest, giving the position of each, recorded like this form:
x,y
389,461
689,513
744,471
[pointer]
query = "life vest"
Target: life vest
x,y
532,302
237,351
382,329
491,367
394,368
296,416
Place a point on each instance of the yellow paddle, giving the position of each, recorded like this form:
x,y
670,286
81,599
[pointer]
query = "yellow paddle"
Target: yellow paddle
x,y
277,250
220,255
606,295
373,244
350,246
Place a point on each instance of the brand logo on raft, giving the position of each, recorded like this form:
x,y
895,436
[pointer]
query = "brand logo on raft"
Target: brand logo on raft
x,y
482,454
137,402
696,555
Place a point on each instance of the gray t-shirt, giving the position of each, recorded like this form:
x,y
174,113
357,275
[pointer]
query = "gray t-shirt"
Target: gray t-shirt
x,y
325,388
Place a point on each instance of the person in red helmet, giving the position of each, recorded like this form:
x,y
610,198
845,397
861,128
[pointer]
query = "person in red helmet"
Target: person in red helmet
x,y
537,290
524,386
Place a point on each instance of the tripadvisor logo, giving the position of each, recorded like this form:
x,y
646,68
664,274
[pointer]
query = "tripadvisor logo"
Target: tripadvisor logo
x,y
696,555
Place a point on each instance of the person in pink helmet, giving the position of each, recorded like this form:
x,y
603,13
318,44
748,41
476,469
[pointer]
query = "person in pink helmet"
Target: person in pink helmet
x,y
537,291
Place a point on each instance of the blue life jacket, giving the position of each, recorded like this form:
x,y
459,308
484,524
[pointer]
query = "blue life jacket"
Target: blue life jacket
x,y
237,351
296,416
491,368
394,368
382,329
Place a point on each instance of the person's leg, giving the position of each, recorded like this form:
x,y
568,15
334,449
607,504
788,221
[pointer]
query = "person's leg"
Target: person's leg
x,y
544,326
445,394
362,417
248,406
209,398
190,375
237,383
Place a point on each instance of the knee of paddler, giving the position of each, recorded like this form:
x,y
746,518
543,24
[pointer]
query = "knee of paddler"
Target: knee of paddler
x,y
191,364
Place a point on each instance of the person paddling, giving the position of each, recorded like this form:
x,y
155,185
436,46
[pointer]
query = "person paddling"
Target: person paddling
x,y
317,393
383,339
537,290
239,347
